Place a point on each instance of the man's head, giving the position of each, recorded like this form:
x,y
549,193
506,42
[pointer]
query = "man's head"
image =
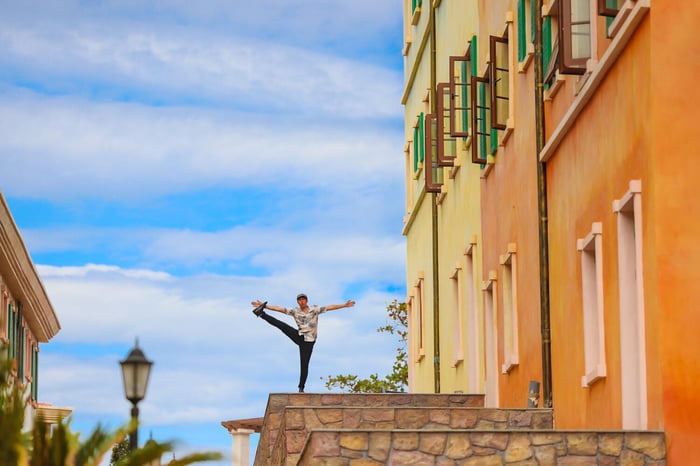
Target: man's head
x,y
302,301
302,296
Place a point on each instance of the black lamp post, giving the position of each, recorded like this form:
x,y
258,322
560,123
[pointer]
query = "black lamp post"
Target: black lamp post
x,y
135,371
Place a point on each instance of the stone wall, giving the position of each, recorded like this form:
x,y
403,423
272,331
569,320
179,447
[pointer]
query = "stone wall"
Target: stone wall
x,y
483,448
298,422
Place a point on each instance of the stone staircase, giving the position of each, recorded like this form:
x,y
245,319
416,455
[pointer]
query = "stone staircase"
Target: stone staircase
x,y
434,429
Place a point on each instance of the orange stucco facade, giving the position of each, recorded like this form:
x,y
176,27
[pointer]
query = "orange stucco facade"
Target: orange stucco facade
x,y
619,155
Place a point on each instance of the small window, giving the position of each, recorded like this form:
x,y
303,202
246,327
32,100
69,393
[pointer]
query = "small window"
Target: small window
x,y
446,144
460,104
500,81
591,249
433,173
418,143
574,35
481,117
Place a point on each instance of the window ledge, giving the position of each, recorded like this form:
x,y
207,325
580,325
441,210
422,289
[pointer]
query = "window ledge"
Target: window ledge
x,y
510,364
416,16
507,132
559,81
525,63
620,18
490,161
441,195
590,378
406,47
454,169
458,359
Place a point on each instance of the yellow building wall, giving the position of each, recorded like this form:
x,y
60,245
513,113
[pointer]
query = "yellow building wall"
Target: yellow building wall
x,y
456,215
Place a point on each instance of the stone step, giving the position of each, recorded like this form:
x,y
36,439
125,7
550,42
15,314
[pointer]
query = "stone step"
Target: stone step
x,y
344,447
277,402
298,421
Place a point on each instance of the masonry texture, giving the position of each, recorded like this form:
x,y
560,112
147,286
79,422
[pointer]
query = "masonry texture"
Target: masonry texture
x,y
440,430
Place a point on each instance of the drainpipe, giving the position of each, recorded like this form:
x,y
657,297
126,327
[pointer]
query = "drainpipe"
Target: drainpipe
x,y
434,210
542,211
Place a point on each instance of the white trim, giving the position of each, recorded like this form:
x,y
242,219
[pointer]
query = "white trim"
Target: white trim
x,y
490,289
591,249
632,316
511,353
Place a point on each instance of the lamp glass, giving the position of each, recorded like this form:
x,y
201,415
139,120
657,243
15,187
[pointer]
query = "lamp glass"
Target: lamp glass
x,y
136,370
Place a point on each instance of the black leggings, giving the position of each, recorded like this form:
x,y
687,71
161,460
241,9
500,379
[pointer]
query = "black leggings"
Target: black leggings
x,y
305,347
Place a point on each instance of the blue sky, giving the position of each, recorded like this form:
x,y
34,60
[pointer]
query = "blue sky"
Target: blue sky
x,y
167,162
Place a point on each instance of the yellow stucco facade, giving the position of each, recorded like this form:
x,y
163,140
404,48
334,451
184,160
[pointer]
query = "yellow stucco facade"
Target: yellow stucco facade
x,y
611,181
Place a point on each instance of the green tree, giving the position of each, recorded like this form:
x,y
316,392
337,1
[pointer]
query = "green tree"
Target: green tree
x,y
58,445
119,450
397,380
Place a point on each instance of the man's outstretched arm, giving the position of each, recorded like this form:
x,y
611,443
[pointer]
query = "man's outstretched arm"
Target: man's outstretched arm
x,y
268,306
333,307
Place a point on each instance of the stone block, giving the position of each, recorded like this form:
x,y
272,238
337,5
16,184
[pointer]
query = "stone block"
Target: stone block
x,y
610,444
354,440
432,443
464,419
412,418
404,441
379,445
330,416
440,416
411,458
652,444
518,448
499,441
458,446
582,443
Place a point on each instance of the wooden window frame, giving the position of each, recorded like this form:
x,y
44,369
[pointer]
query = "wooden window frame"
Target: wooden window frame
x,y
568,64
463,62
605,10
477,109
431,154
496,122
444,96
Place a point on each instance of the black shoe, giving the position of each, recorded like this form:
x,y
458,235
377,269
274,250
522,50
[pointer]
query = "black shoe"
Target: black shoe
x,y
301,390
258,311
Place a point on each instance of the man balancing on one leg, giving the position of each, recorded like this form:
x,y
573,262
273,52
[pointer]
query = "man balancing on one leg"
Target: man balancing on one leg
x,y
306,318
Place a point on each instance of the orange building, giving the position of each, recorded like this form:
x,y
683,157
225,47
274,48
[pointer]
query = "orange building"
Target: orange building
x,y
551,226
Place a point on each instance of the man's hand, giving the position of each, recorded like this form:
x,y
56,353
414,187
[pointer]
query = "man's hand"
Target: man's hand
x,y
256,303
349,303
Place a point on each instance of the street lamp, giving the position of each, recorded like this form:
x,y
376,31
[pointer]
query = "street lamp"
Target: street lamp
x,y
135,371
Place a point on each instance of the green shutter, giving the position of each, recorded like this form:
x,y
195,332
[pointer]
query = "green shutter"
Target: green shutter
x,y
532,22
475,67
421,133
546,45
415,149
35,374
482,120
522,33
465,97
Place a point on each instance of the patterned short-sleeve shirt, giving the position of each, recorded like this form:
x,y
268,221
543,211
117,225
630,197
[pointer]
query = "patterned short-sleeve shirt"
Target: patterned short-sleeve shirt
x,y
307,321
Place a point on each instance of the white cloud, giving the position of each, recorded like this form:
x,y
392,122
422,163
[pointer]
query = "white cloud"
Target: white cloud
x,y
123,151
